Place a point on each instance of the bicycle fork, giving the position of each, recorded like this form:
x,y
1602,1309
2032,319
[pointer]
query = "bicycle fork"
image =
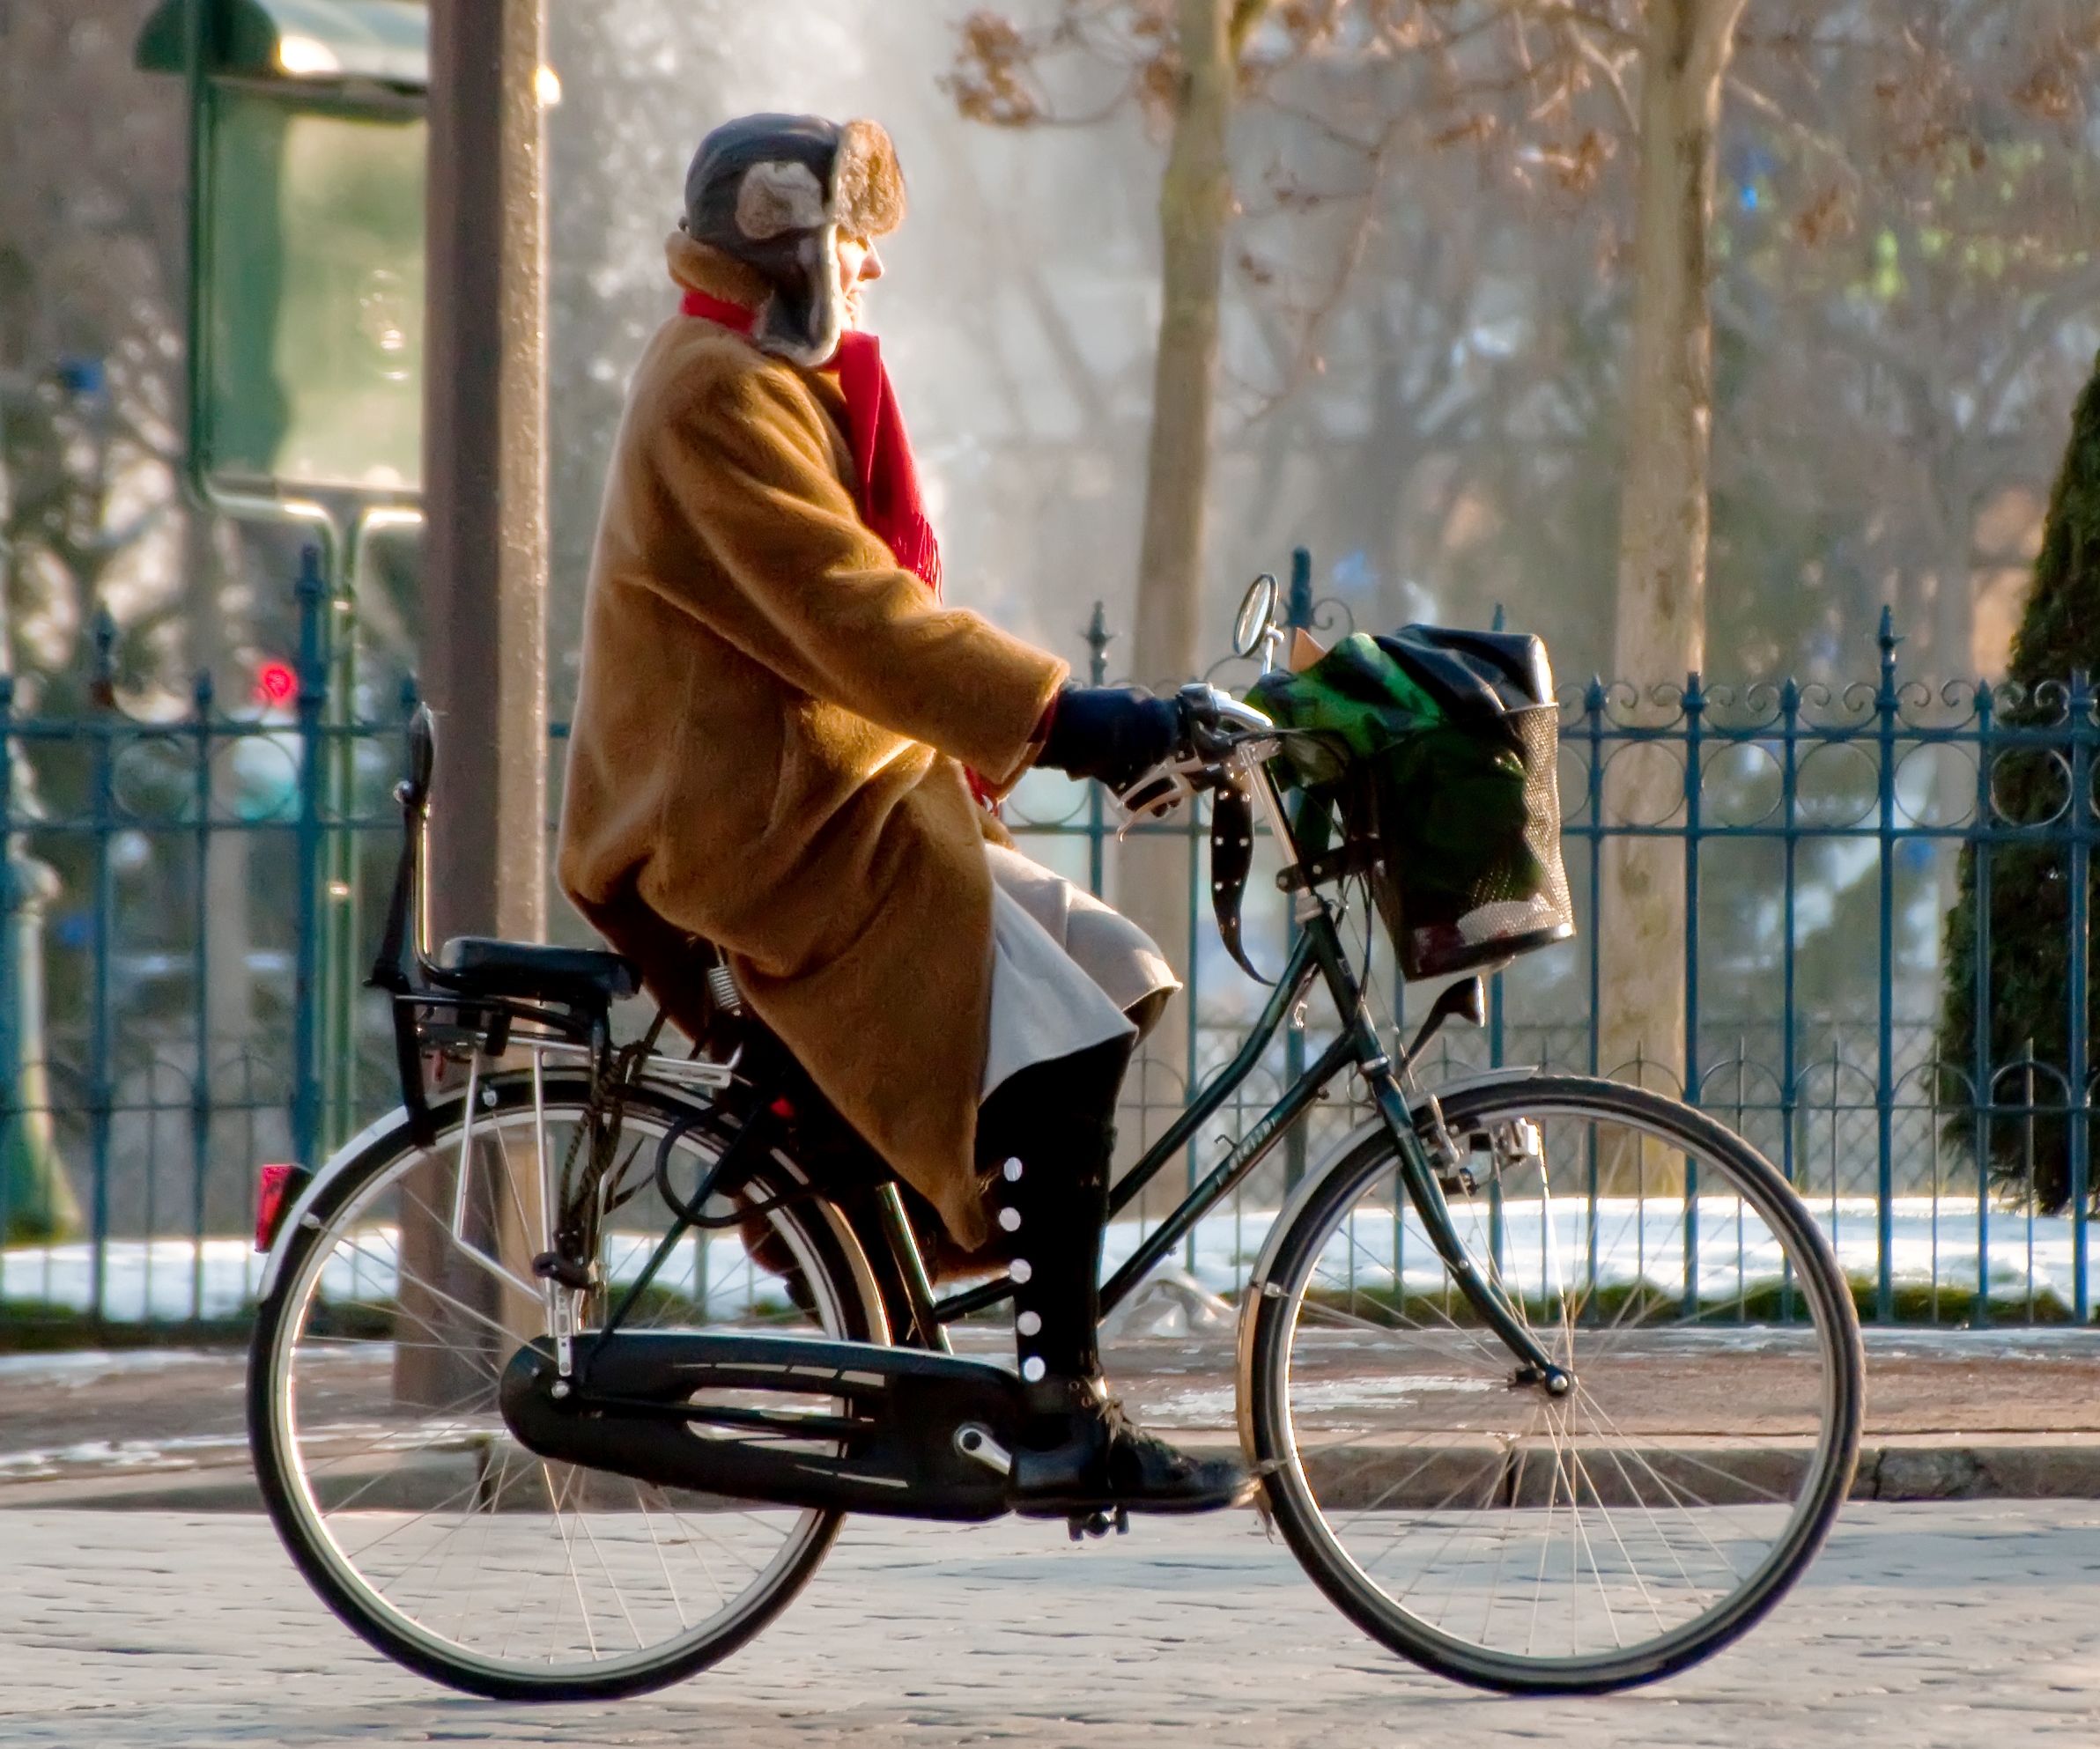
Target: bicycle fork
x,y
1534,1366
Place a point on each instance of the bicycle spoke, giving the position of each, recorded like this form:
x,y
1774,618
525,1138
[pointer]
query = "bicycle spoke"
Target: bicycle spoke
x,y
1501,1531
430,1515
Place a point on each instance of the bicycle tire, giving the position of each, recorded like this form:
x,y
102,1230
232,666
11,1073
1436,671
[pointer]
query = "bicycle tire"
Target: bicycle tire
x,y
1366,1427
335,1496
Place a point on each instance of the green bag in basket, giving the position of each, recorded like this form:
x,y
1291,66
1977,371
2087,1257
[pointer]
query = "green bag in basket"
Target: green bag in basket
x,y
1436,749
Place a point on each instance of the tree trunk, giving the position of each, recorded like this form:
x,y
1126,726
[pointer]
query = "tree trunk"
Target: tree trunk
x,y
485,663
1195,201
37,1202
484,471
1663,522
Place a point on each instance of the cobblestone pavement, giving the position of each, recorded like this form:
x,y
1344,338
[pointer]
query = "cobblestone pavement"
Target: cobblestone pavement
x,y
1949,1625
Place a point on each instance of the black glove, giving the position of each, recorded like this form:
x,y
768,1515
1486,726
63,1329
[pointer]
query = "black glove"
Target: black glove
x,y
1113,733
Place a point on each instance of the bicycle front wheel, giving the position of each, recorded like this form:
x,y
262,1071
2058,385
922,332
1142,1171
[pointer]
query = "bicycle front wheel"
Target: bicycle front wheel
x,y
386,1462
1534,1543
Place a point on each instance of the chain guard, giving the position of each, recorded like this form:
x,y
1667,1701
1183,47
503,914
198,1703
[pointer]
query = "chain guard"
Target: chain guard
x,y
891,1442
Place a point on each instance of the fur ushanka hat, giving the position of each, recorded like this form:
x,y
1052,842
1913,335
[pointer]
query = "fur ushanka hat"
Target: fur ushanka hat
x,y
775,191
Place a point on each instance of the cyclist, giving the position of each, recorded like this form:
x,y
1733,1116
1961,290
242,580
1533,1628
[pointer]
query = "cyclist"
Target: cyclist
x,y
786,745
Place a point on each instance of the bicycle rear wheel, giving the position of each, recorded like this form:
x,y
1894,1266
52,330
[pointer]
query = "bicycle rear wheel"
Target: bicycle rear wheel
x,y
387,1467
1531,1544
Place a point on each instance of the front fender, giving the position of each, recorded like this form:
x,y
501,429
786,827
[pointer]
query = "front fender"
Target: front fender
x,y
1259,1288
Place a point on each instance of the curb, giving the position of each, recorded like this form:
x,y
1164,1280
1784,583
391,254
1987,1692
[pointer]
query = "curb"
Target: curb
x,y
1911,1468
2055,1466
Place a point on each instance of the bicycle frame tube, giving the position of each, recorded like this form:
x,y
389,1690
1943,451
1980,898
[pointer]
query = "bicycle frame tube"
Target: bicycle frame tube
x,y
1318,951
1297,974
1416,1171
1317,948
1245,1155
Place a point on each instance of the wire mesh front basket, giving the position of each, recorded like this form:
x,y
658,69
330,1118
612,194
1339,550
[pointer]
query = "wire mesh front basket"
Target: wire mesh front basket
x,y
1507,892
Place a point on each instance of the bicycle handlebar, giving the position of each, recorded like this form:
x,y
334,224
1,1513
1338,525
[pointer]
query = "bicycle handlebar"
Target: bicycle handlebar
x,y
1213,721
1213,724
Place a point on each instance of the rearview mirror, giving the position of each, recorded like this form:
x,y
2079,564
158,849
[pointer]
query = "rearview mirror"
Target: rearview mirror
x,y
1257,615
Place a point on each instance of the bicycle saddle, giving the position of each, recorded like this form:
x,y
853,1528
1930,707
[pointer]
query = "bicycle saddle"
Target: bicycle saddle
x,y
476,965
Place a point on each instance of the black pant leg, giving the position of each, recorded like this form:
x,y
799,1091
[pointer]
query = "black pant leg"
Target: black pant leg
x,y
1047,1137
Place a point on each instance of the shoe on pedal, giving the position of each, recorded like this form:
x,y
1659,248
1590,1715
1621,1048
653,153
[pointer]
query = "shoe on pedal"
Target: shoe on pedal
x,y
1085,1456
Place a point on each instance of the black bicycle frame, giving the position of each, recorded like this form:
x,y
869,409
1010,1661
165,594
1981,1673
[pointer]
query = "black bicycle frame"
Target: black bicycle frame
x,y
1319,951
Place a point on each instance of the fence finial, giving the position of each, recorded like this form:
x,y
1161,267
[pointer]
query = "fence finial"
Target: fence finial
x,y
1098,637
101,673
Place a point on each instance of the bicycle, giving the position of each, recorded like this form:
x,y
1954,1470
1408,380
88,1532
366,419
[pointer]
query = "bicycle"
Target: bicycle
x,y
504,1433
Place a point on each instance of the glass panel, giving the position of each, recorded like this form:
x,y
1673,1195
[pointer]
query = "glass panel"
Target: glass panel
x,y
315,296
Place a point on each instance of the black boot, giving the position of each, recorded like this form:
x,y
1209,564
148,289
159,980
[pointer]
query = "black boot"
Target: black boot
x,y
1085,1455
1049,1134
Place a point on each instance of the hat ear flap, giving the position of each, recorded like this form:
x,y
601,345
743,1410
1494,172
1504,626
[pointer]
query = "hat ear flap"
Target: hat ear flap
x,y
867,198
776,196
807,333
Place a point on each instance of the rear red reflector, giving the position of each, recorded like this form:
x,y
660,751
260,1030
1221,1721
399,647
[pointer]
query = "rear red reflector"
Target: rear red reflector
x,y
272,1199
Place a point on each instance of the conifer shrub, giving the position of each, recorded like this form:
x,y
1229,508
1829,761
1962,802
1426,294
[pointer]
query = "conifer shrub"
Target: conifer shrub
x,y
2029,882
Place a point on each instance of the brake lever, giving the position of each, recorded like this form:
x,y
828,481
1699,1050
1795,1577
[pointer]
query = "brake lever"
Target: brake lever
x,y
1160,791
1216,723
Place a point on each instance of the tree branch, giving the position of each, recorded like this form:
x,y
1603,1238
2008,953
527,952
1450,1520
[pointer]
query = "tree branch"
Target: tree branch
x,y
1247,15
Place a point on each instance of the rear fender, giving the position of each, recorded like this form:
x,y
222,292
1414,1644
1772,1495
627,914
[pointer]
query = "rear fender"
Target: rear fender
x,y
394,1128
301,1212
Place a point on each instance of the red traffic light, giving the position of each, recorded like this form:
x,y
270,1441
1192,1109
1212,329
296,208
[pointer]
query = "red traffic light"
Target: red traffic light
x,y
276,684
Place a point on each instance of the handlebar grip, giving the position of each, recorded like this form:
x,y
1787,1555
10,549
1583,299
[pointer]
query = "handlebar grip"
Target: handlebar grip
x,y
1204,709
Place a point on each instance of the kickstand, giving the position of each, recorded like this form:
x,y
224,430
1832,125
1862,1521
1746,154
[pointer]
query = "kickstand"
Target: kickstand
x,y
1084,1525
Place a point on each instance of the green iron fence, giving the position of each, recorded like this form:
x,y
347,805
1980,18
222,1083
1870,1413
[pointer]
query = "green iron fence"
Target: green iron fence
x,y
190,903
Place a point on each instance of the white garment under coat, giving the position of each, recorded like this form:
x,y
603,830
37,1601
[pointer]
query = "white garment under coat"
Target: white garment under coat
x,y
1065,968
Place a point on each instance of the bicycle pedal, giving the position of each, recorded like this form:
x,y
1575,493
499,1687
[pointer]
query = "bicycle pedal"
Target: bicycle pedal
x,y
1084,1525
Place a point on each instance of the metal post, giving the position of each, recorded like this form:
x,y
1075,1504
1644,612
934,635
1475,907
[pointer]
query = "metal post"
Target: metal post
x,y
200,985
1593,711
340,976
486,467
1790,711
102,1098
1983,1093
1884,1082
1097,636
2027,1162
2077,1069
1298,614
1189,1068
16,1114
1694,712
1497,1040
312,754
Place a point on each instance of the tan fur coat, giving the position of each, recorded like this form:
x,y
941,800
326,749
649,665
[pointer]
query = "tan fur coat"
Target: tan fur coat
x,y
770,737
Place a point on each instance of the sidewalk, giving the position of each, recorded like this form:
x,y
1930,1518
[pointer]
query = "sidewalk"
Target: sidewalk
x,y
1962,1627
1951,1415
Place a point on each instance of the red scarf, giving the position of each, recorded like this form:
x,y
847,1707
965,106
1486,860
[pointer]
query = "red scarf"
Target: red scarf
x,y
888,479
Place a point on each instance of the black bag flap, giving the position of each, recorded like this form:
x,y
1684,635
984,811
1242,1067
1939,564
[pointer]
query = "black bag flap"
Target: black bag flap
x,y
1477,677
